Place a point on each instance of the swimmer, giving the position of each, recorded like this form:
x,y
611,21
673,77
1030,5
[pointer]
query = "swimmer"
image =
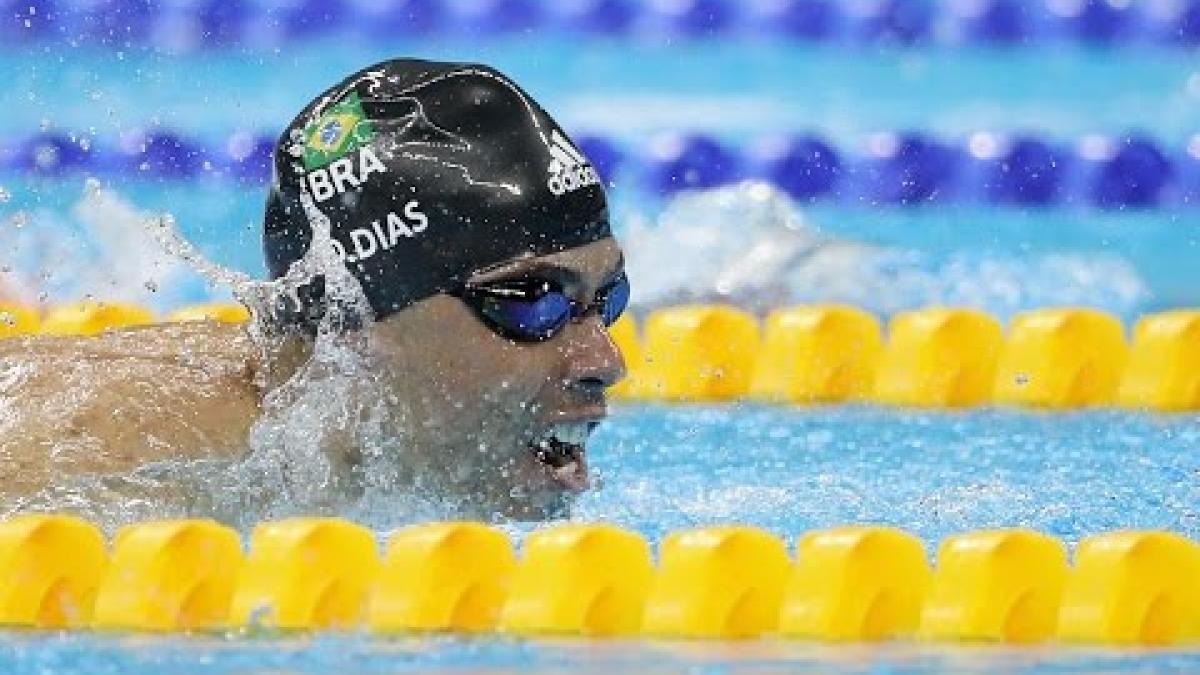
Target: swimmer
x,y
478,235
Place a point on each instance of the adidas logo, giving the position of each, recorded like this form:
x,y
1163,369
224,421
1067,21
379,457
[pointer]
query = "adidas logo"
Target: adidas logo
x,y
569,170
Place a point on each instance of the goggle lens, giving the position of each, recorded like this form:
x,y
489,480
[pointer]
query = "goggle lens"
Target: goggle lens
x,y
615,301
531,318
536,309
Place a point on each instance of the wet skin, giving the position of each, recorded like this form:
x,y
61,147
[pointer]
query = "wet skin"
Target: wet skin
x,y
479,399
472,401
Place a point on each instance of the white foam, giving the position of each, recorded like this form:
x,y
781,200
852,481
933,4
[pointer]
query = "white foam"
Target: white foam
x,y
98,249
751,245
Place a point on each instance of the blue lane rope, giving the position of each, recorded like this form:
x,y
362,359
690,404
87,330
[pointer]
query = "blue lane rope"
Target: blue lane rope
x,y
894,168
219,24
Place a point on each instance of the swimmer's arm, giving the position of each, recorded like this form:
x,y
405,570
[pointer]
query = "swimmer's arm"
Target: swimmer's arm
x,y
71,406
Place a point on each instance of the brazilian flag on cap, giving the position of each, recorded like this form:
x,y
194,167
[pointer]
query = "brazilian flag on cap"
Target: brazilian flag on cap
x,y
341,129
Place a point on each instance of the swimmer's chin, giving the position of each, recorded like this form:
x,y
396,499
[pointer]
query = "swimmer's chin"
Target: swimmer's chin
x,y
549,479
543,506
538,477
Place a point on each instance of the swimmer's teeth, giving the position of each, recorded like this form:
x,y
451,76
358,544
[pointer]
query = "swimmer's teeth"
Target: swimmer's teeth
x,y
561,445
565,471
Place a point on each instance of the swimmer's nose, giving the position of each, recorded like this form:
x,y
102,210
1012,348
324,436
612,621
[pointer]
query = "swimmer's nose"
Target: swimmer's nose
x,y
593,361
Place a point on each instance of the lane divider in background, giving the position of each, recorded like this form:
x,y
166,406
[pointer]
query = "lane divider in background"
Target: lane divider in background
x,y
698,353
92,317
938,357
1062,359
822,354
845,584
904,168
223,24
225,312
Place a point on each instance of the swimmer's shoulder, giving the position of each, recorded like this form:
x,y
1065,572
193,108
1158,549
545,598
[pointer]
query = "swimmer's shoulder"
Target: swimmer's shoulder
x,y
207,346
116,401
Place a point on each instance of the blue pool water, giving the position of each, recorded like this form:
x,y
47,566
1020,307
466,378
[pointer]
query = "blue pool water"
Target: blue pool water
x,y
788,470
932,473
28,654
664,468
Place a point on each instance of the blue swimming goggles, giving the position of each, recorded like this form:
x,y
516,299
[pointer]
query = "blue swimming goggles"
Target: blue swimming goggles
x,y
535,310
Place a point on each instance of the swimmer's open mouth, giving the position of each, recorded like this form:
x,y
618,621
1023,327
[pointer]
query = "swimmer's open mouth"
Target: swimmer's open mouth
x,y
560,448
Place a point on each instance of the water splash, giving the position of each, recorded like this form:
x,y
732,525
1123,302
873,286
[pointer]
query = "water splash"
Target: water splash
x,y
324,422
95,249
751,245
319,411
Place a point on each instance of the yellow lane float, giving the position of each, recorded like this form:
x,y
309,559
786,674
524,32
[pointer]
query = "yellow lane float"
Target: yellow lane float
x,y
224,312
18,320
50,568
698,353
855,583
93,317
1164,365
1061,358
170,575
306,573
588,580
817,354
851,583
721,582
996,586
1133,588
939,357
442,577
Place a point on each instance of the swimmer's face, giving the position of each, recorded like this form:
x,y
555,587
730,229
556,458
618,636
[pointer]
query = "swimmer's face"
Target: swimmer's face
x,y
506,421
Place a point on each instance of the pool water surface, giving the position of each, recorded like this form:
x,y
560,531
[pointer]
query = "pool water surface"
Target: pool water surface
x,y
788,470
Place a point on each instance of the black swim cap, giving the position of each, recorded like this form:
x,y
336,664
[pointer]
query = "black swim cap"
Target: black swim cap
x,y
428,172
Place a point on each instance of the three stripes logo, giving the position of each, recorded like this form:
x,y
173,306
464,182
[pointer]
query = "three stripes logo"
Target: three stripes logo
x,y
569,170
